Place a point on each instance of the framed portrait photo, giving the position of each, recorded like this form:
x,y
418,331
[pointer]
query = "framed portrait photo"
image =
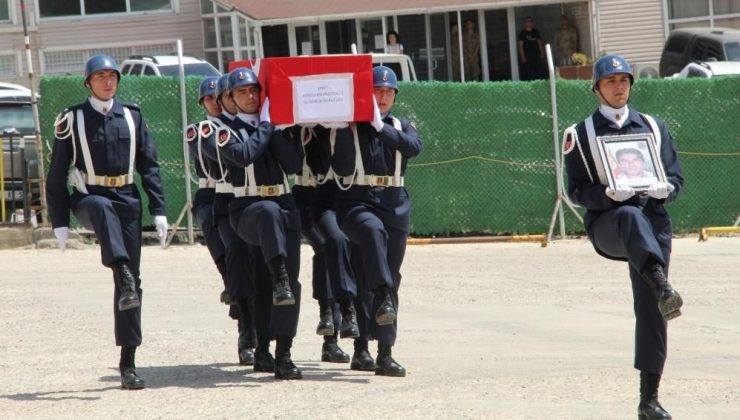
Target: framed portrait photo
x,y
631,160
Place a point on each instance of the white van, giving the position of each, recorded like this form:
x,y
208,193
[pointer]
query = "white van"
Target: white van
x,y
400,63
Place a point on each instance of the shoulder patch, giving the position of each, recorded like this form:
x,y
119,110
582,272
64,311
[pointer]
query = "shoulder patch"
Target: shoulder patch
x,y
568,143
191,132
206,128
63,124
224,135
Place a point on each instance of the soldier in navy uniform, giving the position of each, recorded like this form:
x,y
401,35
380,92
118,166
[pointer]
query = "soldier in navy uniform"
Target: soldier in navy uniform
x,y
264,215
203,200
336,289
625,225
97,146
211,209
375,210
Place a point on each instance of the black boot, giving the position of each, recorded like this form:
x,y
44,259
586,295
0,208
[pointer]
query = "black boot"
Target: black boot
x,y
350,328
386,312
263,360
126,284
129,378
224,296
361,359
330,351
326,319
281,293
649,407
284,367
669,301
246,342
386,365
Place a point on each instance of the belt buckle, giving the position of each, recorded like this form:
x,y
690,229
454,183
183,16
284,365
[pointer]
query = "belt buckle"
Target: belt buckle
x,y
380,181
112,182
270,190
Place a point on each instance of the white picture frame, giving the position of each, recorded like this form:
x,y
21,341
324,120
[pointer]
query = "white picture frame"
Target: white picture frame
x,y
632,160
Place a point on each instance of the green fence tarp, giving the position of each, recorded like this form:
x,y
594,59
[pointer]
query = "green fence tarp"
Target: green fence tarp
x,y
488,162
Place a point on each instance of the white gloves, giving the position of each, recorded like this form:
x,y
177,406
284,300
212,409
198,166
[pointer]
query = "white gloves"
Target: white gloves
x,y
377,120
62,234
660,190
265,111
160,222
621,192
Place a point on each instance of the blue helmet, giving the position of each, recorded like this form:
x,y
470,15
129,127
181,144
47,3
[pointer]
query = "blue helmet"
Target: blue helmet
x,y
610,64
98,63
208,87
242,76
385,77
222,85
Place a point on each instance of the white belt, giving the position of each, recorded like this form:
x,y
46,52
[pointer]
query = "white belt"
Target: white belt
x,y
108,181
262,191
206,183
379,181
305,180
224,188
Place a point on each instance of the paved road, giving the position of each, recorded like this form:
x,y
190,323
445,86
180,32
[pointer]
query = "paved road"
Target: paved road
x,y
494,331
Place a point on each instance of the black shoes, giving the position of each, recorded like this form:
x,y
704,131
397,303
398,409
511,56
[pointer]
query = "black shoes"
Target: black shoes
x,y
130,380
246,356
349,328
649,407
285,369
330,352
281,292
386,313
361,360
669,301
126,285
224,297
263,362
386,365
326,320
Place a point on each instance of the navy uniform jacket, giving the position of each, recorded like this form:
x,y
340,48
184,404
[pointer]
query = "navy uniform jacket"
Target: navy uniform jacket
x,y
378,150
591,194
318,151
109,141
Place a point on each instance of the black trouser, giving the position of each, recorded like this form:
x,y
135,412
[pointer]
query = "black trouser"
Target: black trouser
x,y
114,214
627,232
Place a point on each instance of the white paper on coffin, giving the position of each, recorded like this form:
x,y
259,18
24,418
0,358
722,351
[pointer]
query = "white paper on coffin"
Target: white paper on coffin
x,y
323,98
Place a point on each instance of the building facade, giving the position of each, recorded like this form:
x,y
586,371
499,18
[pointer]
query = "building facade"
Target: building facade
x,y
64,34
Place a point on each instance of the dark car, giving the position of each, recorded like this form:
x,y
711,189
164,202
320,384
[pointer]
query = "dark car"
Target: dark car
x,y
687,45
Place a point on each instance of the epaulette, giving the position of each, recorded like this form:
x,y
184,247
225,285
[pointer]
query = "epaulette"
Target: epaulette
x,y
206,128
131,105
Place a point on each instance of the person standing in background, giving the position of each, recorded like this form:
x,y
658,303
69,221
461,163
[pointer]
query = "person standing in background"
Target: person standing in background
x,y
393,43
531,51
471,51
566,42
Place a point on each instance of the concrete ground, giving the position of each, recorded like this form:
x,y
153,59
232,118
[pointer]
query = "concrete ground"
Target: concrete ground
x,y
494,331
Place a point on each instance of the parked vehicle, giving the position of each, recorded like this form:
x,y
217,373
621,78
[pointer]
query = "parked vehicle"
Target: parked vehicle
x,y
166,65
687,45
17,136
710,69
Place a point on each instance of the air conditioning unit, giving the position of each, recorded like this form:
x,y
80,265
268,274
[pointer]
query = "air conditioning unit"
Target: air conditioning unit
x,y
647,70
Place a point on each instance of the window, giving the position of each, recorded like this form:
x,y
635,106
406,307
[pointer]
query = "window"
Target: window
x,y
4,11
57,8
722,7
687,8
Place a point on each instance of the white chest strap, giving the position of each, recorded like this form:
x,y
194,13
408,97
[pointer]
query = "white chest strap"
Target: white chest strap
x,y
250,181
594,148
360,168
656,131
397,173
89,168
